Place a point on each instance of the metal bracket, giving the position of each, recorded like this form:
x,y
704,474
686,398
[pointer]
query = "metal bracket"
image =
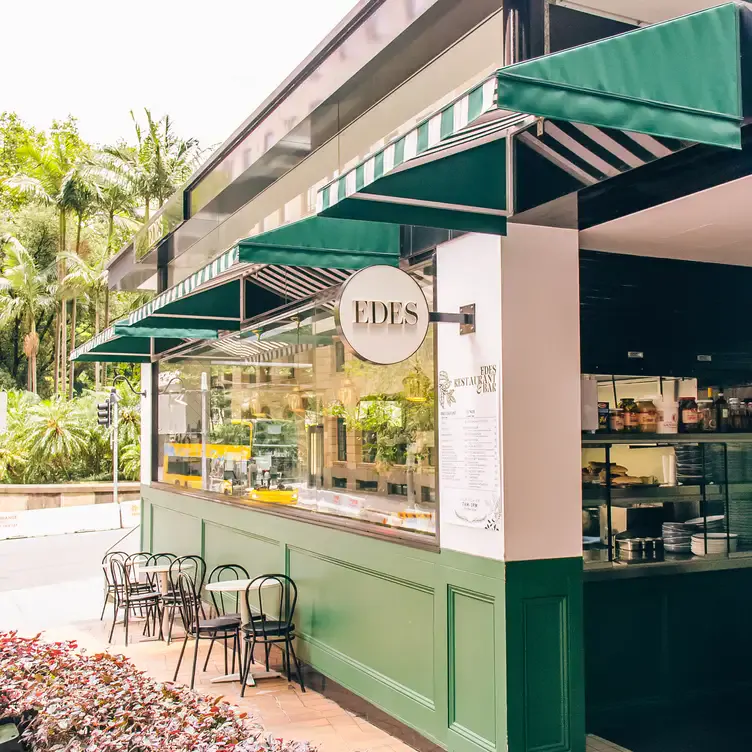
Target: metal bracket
x,y
465,318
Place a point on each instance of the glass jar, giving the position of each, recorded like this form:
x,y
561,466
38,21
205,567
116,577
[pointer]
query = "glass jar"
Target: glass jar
x,y
736,417
631,415
616,420
648,415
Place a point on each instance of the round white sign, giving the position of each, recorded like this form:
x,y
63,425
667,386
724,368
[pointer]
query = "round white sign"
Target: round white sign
x,y
382,315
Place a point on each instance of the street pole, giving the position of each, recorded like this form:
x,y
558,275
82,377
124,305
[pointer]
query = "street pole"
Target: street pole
x,y
115,462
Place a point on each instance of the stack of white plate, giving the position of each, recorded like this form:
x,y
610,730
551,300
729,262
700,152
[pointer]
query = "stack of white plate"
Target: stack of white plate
x,y
717,543
716,523
677,537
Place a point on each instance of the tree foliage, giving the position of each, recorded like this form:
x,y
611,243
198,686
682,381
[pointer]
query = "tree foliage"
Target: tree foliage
x,y
72,206
58,440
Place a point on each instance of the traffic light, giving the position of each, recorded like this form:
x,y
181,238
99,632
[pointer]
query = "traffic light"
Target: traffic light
x,y
104,413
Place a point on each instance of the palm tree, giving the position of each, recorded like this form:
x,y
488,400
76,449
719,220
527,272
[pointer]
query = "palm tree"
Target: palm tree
x,y
47,179
56,434
130,458
81,193
87,278
25,292
159,162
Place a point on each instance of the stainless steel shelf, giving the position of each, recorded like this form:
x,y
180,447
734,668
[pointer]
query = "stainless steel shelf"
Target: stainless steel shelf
x,y
655,494
642,439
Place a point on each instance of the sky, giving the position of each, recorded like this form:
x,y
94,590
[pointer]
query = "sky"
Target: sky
x,y
206,63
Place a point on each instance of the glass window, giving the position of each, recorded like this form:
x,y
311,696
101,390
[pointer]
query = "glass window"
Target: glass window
x,y
283,414
341,440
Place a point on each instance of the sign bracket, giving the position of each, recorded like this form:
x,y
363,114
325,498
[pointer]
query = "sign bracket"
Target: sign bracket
x,y
465,318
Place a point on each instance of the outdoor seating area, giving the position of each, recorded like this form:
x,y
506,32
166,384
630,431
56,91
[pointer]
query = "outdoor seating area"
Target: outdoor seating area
x,y
166,595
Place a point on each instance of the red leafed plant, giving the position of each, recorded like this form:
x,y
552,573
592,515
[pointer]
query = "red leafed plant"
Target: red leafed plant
x,y
102,703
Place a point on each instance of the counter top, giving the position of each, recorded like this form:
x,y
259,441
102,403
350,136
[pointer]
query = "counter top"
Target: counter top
x,y
596,571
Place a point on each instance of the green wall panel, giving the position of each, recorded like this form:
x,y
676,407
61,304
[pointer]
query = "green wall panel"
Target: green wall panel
x,y
174,532
472,698
544,656
374,616
257,553
351,609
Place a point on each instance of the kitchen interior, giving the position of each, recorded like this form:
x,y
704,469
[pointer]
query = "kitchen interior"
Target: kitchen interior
x,y
666,358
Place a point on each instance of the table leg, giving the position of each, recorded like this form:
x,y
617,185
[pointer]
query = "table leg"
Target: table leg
x,y
245,617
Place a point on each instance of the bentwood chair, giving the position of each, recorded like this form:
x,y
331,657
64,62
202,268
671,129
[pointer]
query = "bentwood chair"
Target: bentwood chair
x,y
110,586
226,573
128,600
141,582
275,629
202,629
195,568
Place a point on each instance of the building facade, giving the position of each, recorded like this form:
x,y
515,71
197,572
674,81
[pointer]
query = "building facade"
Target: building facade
x,y
568,181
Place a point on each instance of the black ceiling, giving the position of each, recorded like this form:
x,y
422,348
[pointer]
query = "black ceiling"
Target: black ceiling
x,y
672,312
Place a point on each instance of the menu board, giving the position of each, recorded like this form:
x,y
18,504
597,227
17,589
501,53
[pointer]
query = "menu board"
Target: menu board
x,y
469,448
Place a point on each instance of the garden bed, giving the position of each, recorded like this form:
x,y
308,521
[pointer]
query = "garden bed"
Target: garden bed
x,y
101,702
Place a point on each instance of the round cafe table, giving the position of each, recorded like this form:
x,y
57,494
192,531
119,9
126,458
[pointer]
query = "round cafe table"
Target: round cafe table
x,y
239,586
163,571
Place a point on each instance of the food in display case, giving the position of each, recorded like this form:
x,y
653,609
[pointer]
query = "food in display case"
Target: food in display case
x,y
597,473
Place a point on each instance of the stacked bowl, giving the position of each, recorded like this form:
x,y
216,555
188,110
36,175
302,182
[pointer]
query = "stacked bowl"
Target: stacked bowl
x,y
689,465
677,537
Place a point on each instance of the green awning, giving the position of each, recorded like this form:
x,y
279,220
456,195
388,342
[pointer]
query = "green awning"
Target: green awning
x,y
108,347
189,305
293,261
681,79
209,300
324,243
452,171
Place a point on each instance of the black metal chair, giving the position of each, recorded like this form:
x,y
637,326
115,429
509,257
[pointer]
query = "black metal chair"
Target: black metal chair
x,y
141,583
225,573
278,629
194,567
110,586
128,600
202,629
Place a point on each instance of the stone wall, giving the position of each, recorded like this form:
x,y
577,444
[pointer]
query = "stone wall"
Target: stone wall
x,y
22,498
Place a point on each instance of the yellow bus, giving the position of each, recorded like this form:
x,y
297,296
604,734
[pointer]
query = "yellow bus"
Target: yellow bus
x,y
182,464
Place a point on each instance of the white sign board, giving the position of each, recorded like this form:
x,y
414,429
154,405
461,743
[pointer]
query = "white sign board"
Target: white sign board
x,y
469,447
469,383
382,315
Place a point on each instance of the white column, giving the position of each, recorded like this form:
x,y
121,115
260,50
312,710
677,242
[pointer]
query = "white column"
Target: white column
x,y
540,314
146,419
468,271
525,287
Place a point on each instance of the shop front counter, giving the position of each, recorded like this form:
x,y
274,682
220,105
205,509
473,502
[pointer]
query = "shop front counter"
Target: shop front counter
x,y
666,637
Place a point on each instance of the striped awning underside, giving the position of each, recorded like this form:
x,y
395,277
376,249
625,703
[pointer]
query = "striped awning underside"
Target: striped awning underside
x,y
261,350
106,335
591,154
296,282
188,286
426,135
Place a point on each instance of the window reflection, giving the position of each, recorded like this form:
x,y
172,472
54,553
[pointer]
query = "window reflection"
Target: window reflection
x,y
284,414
